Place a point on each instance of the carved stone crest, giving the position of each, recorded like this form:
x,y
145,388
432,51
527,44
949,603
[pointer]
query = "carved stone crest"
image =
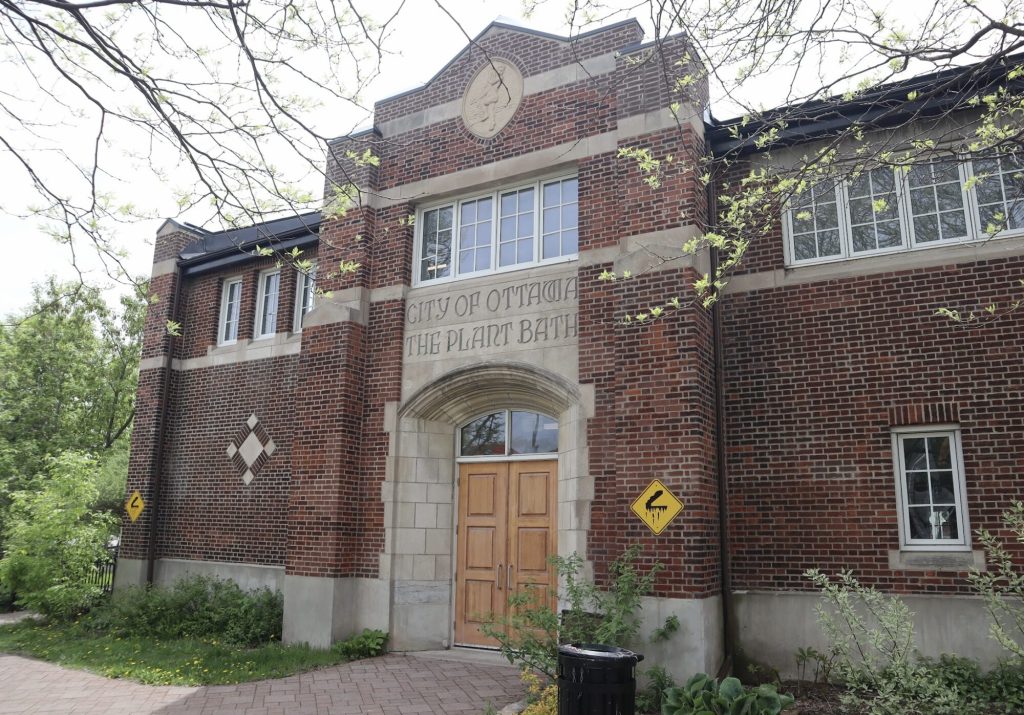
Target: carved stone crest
x,y
491,98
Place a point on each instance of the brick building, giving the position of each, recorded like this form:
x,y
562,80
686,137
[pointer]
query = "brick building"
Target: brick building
x,y
405,452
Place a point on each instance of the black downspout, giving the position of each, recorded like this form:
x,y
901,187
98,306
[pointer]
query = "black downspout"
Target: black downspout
x,y
728,612
156,471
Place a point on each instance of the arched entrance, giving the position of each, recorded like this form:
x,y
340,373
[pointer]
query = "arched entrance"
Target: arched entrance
x,y
485,482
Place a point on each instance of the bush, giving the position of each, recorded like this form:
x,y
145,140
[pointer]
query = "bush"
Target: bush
x,y
1002,585
194,607
54,540
530,636
872,637
703,695
368,644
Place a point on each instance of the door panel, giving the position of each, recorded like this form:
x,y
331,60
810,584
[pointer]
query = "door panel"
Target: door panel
x,y
532,499
482,539
506,533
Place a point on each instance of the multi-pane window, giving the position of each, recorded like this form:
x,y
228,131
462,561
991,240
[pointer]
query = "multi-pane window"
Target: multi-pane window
x,y
305,295
267,303
814,223
230,303
509,432
930,489
475,229
503,230
515,237
938,209
888,209
1000,191
559,230
436,243
874,213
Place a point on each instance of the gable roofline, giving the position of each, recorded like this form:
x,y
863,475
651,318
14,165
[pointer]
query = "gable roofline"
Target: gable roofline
x,y
504,25
879,107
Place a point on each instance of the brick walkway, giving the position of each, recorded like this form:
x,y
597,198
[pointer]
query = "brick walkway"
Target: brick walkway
x,y
414,683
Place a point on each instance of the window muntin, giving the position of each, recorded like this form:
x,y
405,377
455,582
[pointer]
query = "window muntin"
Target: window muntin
x,y
230,304
511,228
999,188
509,433
268,297
305,295
560,219
815,223
436,243
931,490
885,210
476,218
516,234
938,204
874,211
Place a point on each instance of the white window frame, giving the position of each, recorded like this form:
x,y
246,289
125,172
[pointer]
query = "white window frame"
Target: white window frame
x,y
963,543
975,232
260,291
222,320
495,195
300,288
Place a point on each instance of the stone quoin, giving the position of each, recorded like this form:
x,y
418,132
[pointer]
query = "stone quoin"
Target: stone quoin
x,y
406,452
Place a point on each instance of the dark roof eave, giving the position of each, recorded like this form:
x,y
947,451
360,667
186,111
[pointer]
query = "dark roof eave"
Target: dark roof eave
x,y
243,254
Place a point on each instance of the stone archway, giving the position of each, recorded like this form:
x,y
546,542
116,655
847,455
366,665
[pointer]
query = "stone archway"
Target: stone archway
x,y
419,492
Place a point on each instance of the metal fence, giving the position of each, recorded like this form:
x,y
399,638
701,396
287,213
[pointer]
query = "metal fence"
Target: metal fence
x,y
103,573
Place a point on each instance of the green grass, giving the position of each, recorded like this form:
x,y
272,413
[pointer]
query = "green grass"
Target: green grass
x,y
160,662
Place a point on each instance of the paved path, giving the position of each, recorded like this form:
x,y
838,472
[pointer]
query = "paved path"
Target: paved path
x,y
439,683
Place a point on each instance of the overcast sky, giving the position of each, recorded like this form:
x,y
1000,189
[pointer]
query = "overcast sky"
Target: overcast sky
x,y
424,40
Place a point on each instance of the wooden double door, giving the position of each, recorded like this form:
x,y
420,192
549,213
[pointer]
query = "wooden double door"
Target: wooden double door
x,y
506,533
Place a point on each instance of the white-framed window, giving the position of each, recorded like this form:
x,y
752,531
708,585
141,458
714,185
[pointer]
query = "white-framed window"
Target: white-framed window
x,y
267,302
230,308
305,295
513,227
885,209
930,490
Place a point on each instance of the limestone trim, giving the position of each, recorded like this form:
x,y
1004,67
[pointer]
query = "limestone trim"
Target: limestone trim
x,y
160,362
492,98
547,160
936,560
420,487
533,84
165,267
963,253
245,350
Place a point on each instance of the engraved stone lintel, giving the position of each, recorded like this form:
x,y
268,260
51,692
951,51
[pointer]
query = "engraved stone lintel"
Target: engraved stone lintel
x,y
492,97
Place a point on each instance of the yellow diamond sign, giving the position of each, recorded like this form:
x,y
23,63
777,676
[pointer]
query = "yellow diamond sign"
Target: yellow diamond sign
x,y
656,506
134,505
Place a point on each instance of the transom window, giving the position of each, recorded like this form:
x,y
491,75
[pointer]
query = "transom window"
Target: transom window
x,y
503,230
930,489
887,209
509,433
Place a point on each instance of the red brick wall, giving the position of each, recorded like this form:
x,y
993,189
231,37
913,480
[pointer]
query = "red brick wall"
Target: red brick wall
x,y
816,375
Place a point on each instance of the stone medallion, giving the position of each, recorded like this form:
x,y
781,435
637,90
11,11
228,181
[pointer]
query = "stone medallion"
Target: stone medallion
x,y
491,98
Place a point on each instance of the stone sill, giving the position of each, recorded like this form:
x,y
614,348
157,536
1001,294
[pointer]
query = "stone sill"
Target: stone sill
x,y
936,560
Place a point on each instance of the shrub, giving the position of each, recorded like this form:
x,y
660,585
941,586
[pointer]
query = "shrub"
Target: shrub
x,y
530,636
703,695
872,638
1002,585
541,695
54,540
368,644
194,607
652,697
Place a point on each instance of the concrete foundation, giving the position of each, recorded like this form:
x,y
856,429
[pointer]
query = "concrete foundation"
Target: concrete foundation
x,y
772,626
697,647
319,611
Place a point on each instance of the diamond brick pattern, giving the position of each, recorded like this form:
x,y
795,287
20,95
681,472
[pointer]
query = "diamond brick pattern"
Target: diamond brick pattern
x,y
250,449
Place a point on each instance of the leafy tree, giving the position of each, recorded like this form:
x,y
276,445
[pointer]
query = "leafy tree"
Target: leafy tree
x,y
68,383
54,539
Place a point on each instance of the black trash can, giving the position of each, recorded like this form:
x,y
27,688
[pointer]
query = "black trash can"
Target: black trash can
x,y
596,680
